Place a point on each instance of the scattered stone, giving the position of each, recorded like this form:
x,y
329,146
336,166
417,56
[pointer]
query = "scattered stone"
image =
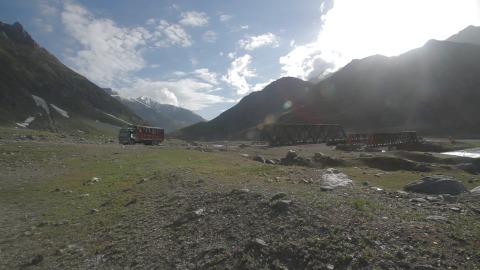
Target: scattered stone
x,y
433,199
424,267
132,201
448,198
469,167
257,243
291,154
475,190
188,217
456,209
366,155
244,155
38,259
325,188
144,180
84,195
57,190
270,161
278,196
281,205
94,210
436,184
61,222
333,178
240,191
437,218
367,184
259,159
418,200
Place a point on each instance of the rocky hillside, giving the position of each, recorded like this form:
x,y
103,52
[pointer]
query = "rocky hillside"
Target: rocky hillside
x,y
38,91
434,90
166,116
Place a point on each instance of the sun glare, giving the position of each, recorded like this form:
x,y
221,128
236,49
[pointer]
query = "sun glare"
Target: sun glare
x,y
356,29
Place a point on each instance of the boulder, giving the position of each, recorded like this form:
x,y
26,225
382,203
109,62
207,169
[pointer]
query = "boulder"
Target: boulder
x,y
291,154
332,178
436,184
259,159
475,190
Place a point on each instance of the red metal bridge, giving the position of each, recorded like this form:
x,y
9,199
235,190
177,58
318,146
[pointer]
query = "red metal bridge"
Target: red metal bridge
x,y
282,134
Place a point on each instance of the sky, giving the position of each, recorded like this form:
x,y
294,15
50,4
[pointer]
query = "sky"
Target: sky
x,y
207,55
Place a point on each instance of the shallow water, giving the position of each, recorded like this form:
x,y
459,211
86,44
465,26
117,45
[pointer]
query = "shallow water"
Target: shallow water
x,y
472,153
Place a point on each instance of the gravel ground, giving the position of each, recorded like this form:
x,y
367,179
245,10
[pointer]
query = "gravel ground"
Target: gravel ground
x,y
183,216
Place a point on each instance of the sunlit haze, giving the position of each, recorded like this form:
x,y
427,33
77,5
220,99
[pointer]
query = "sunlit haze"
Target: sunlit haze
x,y
206,55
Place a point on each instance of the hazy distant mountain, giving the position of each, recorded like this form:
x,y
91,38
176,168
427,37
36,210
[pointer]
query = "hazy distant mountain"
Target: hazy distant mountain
x,y
471,34
434,90
38,91
166,116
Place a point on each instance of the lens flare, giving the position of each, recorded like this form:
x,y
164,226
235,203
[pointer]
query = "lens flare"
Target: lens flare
x,y
287,105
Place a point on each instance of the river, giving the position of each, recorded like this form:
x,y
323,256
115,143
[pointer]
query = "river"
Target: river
x,y
472,153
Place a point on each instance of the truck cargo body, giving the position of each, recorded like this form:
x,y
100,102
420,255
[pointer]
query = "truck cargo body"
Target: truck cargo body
x,y
141,134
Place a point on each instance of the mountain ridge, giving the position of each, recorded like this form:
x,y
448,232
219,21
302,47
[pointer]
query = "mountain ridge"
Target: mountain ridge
x,y
433,89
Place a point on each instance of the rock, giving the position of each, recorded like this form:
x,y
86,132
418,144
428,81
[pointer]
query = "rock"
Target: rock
x,y
437,218
448,198
418,200
389,163
244,155
475,190
291,154
278,195
325,188
366,183
270,161
188,217
318,155
38,259
366,155
469,167
257,243
281,205
259,159
132,201
240,191
436,184
332,178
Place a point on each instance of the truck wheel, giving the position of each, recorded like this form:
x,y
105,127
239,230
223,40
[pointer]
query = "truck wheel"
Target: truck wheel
x,y
131,142
154,143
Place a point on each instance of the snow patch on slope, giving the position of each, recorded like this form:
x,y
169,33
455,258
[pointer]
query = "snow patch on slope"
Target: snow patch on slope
x,y
26,122
113,116
41,103
60,111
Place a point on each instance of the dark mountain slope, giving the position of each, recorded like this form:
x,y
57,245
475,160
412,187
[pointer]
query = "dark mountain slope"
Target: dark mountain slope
x,y
28,71
434,90
256,109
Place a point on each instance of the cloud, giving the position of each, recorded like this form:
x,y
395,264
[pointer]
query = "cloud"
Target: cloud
x,y
255,42
108,52
186,92
238,73
174,35
225,17
193,18
210,36
357,29
207,76
48,12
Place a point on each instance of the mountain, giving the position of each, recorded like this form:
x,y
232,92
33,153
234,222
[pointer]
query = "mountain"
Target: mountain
x,y
434,90
471,34
169,117
40,92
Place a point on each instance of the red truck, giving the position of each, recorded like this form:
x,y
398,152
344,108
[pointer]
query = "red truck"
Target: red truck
x,y
141,134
